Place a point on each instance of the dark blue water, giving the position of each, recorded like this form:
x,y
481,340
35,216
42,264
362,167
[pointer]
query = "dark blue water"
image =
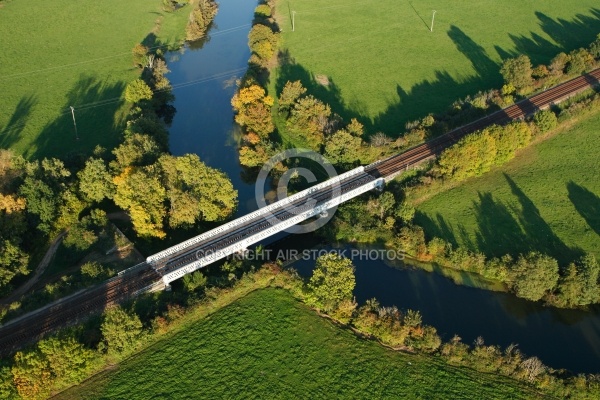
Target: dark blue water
x,y
203,78
561,338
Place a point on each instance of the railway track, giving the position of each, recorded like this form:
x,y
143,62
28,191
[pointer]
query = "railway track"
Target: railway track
x,y
519,110
120,288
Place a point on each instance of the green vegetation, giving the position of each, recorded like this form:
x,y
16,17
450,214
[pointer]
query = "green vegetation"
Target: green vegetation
x,y
546,199
200,19
385,68
73,62
267,342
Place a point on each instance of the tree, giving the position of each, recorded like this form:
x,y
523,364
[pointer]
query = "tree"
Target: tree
x,y
545,120
200,18
54,361
532,367
136,150
471,156
534,275
517,71
13,262
262,42
41,202
121,330
308,119
253,157
7,388
140,55
12,217
558,64
137,91
140,192
263,11
193,281
195,191
343,148
291,92
595,48
67,359
406,212
579,61
95,182
579,285
332,281
253,110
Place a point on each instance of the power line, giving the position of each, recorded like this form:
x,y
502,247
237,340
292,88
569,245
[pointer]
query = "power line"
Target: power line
x,y
216,34
101,103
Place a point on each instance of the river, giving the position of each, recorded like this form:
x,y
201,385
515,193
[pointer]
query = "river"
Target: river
x,y
204,79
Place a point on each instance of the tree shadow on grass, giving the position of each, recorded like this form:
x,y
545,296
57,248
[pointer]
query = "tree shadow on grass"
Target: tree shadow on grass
x,y
95,103
566,35
9,134
504,229
328,93
587,205
437,95
538,234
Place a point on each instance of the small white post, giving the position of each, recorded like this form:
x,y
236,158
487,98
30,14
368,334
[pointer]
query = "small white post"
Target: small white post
x,y
293,21
432,19
74,123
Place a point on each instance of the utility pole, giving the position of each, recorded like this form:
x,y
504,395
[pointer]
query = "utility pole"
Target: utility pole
x,y
74,123
293,20
432,19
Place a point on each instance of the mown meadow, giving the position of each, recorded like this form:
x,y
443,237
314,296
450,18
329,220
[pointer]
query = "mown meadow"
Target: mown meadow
x,y
385,67
80,56
546,199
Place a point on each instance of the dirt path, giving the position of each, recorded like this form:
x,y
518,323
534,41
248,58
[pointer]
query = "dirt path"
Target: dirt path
x,y
38,272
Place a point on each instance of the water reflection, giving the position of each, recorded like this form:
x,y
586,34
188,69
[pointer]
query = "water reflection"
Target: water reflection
x,y
561,338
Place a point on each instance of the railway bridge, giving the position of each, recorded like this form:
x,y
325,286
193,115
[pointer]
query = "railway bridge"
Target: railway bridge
x,y
160,269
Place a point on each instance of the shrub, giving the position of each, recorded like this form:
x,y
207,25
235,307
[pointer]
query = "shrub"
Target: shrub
x,y
137,90
262,10
545,120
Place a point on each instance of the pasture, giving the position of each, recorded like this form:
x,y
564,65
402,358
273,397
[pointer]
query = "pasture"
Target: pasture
x,y
62,53
269,345
546,199
386,67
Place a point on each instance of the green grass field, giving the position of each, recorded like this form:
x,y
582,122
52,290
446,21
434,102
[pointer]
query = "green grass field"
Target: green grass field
x,y
267,345
62,53
546,199
386,67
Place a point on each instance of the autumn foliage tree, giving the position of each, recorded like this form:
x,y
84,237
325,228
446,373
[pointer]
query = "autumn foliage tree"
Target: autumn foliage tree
x,y
253,109
200,18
